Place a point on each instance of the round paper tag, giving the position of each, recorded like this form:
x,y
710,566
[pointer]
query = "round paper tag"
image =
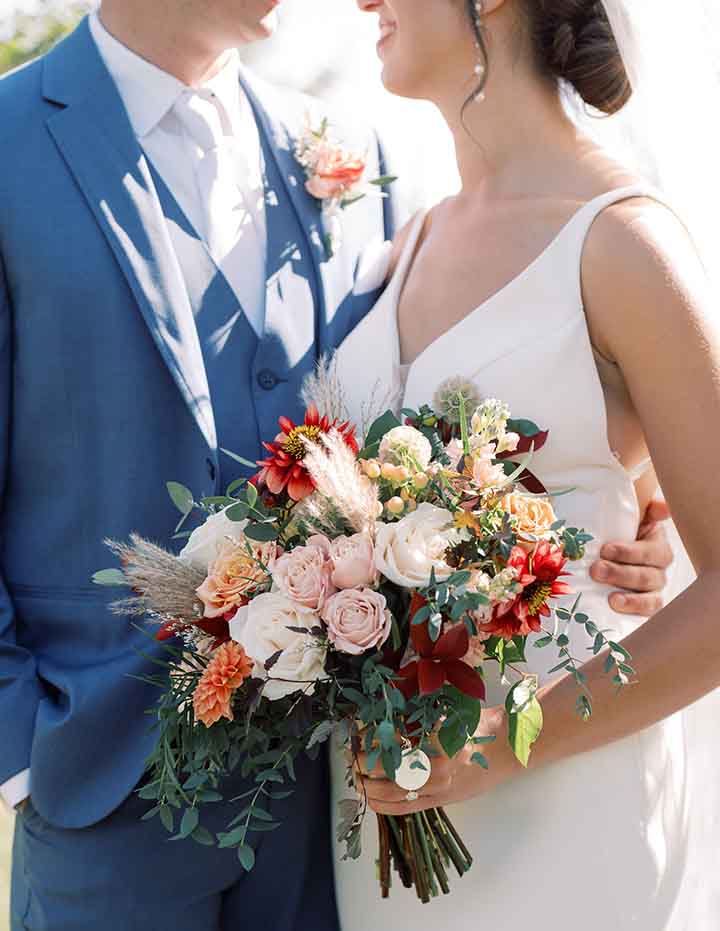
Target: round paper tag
x,y
414,770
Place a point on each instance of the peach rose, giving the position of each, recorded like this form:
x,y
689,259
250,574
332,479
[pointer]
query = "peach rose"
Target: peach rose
x,y
354,561
237,572
305,573
533,516
335,172
484,473
357,620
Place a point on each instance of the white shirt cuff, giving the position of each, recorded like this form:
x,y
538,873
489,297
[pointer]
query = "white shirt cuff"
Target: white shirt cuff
x,y
16,790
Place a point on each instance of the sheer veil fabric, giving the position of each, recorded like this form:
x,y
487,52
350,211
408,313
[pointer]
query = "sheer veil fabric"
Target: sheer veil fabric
x,y
670,130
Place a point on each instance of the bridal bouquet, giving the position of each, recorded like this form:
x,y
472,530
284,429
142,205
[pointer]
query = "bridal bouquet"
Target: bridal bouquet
x,y
357,589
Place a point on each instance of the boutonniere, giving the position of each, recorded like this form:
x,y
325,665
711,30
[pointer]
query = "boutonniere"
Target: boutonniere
x,y
335,177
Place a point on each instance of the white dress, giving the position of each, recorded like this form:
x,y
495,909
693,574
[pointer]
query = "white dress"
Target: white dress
x,y
600,842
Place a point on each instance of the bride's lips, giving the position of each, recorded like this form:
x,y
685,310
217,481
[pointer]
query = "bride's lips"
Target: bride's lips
x,y
387,31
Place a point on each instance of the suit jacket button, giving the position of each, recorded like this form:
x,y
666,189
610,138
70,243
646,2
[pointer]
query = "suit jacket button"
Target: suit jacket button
x,y
267,379
211,468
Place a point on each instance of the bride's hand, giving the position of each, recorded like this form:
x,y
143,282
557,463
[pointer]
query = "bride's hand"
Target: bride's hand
x,y
451,780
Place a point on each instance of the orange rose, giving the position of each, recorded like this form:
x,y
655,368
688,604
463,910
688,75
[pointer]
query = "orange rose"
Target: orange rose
x,y
533,516
234,575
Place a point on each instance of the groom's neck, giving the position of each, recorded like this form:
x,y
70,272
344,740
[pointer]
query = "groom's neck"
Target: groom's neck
x,y
165,34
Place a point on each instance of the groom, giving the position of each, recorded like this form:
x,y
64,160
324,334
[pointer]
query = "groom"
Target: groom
x,y
164,289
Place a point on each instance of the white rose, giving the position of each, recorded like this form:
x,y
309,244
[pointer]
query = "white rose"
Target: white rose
x,y
406,446
408,551
205,543
262,629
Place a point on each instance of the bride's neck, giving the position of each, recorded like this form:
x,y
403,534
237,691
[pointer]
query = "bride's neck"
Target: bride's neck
x,y
502,140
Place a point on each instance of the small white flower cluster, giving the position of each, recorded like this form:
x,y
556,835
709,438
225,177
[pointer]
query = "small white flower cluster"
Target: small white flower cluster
x,y
489,423
498,589
308,147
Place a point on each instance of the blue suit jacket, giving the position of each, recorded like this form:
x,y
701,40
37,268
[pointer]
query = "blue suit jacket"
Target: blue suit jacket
x,y
104,397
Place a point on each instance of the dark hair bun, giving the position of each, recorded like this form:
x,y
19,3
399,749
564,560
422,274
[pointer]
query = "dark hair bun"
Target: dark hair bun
x,y
575,43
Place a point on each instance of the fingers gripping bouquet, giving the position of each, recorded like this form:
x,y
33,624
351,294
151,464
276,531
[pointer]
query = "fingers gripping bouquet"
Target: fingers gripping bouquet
x,y
361,592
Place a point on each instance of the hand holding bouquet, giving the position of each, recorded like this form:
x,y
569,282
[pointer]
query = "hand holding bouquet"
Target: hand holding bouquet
x,y
358,591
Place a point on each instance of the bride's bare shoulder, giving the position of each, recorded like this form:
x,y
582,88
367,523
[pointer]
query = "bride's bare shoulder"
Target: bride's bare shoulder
x,y
641,273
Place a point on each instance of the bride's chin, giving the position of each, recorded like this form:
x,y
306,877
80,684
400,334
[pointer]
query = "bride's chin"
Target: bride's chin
x,y
269,23
398,85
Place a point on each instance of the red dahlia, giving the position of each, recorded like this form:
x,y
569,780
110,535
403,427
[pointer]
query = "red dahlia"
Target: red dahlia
x,y
284,469
539,573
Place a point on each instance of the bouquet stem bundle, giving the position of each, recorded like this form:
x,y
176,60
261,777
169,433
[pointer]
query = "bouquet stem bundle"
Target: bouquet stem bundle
x,y
420,848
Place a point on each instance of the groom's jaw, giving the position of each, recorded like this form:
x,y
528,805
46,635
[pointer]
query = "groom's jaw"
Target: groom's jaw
x,y
188,38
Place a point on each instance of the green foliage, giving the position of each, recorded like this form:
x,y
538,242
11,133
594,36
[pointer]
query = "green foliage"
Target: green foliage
x,y
32,36
377,431
524,726
110,577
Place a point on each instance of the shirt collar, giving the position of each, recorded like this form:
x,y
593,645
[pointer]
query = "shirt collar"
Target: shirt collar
x,y
148,92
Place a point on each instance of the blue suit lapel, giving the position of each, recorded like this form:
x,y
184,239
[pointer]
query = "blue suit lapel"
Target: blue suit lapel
x,y
95,138
335,274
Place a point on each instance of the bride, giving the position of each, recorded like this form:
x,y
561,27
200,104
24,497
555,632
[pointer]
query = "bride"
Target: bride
x,y
561,282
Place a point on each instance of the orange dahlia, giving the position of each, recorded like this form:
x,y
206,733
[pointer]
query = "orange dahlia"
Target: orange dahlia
x,y
284,469
225,673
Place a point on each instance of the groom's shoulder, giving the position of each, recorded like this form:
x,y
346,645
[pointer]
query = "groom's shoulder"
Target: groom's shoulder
x,y
21,99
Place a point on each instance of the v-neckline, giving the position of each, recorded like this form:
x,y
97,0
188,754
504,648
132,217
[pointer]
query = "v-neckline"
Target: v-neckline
x,y
409,257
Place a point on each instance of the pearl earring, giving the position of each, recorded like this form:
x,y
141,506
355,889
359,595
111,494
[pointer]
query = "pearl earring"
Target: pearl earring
x,y
479,70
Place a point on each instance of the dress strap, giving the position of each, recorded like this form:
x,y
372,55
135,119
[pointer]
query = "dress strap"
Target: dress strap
x,y
417,224
586,216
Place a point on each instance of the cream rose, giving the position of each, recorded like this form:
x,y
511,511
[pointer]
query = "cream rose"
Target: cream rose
x,y
357,620
408,551
353,561
262,628
305,573
205,543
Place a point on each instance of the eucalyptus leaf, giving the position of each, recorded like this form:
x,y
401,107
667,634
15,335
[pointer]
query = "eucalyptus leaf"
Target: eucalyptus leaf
x,y
237,512
262,533
181,497
166,816
110,577
384,424
246,856
189,822
240,459
386,734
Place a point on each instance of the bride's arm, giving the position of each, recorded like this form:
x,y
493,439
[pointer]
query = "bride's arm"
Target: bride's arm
x,y
650,310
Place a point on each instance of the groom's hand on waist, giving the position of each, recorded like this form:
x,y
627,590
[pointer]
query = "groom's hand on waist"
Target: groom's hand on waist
x,y
638,570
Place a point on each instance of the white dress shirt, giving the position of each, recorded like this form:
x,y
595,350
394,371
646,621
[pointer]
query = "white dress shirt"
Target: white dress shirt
x,y
152,98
